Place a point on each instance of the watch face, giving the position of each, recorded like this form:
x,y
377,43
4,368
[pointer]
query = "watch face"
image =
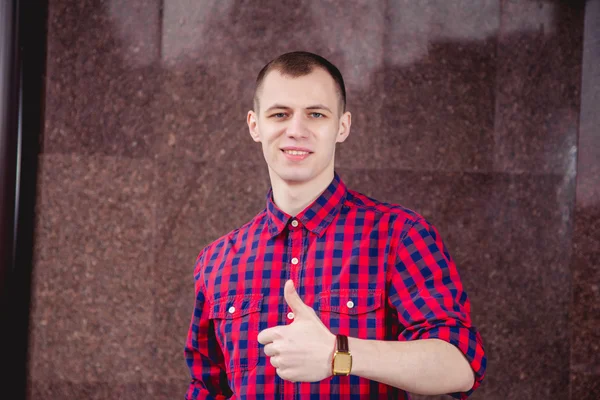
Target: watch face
x,y
342,363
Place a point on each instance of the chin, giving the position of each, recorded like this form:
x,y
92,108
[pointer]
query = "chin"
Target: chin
x,y
295,177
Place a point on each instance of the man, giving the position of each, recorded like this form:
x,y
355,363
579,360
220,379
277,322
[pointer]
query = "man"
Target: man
x,y
326,293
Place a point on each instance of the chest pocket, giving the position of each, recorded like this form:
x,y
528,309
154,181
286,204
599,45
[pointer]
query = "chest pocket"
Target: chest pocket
x,y
353,312
236,320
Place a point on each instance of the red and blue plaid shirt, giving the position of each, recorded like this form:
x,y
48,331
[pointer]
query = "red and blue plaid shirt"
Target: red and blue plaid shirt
x,y
370,270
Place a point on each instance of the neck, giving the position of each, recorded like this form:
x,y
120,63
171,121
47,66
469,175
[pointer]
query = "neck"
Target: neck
x,y
292,197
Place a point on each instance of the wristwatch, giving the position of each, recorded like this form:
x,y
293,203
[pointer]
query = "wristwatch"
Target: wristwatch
x,y
342,359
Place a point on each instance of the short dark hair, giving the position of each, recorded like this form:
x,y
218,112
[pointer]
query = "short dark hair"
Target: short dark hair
x,y
300,63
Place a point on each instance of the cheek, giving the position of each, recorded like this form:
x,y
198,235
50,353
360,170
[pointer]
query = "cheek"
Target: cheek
x,y
267,148
270,147
331,141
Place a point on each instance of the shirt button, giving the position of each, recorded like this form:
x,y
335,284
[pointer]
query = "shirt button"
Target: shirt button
x,y
350,304
290,315
231,310
294,261
294,223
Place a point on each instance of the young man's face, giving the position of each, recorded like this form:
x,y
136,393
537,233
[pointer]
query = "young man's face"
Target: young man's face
x,y
298,122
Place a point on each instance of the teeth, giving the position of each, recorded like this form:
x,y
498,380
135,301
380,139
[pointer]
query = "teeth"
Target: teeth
x,y
296,153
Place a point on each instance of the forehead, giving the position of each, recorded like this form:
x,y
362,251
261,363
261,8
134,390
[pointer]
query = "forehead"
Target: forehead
x,y
318,87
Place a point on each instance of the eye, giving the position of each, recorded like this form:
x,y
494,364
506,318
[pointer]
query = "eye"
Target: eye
x,y
317,115
278,115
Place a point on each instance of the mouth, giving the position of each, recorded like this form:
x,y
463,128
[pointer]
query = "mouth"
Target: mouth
x,y
296,155
296,152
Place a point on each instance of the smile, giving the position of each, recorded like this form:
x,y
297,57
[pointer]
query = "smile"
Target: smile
x,y
295,155
296,152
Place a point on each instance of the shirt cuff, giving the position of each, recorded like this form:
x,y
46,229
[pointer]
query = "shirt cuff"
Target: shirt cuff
x,y
469,342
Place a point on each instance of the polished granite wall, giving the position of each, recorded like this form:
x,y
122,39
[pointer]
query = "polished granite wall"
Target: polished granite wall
x,y
480,114
585,260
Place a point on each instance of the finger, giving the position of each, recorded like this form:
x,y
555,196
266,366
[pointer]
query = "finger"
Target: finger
x,y
285,374
269,335
271,350
293,299
274,362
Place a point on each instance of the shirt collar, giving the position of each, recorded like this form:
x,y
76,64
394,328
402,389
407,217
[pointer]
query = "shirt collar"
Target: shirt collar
x,y
316,217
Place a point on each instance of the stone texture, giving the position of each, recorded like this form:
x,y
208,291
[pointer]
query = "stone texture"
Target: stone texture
x,y
585,263
585,385
538,87
204,117
102,78
429,103
92,391
92,308
193,215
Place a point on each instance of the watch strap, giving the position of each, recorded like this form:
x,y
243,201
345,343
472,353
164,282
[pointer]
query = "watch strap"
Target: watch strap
x,y
342,343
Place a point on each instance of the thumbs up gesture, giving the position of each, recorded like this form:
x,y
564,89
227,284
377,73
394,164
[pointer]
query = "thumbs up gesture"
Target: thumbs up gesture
x,y
301,351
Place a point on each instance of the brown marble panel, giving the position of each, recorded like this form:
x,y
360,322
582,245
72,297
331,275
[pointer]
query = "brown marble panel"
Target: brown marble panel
x,y
585,264
63,390
538,86
223,196
584,385
165,389
430,104
238,37
103,78
509,235
585,318
92,314
204,115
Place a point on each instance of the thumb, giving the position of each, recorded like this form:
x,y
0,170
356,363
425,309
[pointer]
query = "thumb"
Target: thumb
x,y
293,299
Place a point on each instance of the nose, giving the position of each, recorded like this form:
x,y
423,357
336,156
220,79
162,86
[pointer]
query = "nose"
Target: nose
x,y
297,127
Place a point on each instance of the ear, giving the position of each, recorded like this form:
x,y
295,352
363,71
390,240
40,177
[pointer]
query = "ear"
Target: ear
x,y
252,121
344,129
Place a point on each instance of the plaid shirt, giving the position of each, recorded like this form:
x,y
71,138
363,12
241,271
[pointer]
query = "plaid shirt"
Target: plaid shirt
x,y
370,270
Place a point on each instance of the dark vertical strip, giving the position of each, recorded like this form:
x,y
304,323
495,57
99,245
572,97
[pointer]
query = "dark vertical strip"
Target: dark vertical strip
x,y
9,112
22,71
161,21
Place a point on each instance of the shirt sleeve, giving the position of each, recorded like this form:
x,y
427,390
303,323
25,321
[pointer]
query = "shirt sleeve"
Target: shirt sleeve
x,y
427,292
202,350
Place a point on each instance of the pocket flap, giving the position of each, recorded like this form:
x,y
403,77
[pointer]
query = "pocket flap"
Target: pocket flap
x,y
236,306
350,301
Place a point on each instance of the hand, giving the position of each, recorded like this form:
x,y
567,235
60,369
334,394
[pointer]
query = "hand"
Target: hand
x,y
303,350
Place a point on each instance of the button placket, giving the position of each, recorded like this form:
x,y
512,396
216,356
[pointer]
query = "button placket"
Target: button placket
x,y
295,264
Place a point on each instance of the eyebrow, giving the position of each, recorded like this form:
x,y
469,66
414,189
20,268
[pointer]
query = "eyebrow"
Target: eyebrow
x,y
319,107
313,107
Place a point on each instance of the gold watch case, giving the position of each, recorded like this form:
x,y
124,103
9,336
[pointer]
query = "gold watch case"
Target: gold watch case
x,y
342,363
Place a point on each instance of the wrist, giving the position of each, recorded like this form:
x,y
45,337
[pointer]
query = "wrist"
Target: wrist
x,y
365,355
342,357
331,341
